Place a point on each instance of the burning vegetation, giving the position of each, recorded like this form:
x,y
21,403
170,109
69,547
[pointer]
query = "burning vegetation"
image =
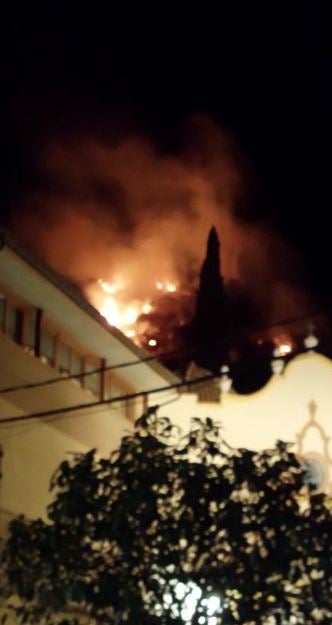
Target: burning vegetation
x,y
153,322
200,323
128,225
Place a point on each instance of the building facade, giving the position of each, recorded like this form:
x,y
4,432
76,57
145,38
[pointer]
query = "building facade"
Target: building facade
x,y
295,406
59,357
48,332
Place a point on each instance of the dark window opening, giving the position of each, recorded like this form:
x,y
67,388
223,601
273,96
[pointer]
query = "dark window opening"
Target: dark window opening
x,y
3,304
92,381
77,366
30,331
63,358
15,323
48,347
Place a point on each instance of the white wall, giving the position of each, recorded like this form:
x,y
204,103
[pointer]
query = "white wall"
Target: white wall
x,y
32,450
283,409
68,310
295,407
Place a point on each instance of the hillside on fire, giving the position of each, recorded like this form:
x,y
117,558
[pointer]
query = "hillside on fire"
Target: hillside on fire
x,y
208,320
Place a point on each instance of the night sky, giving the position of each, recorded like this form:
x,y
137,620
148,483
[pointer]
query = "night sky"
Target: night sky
x,y
260,70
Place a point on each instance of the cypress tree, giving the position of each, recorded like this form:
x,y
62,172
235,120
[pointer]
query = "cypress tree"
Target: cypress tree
x,y
210,325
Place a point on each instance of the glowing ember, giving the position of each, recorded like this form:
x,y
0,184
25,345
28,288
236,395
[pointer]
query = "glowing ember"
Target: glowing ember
x,y
130,315
284,344
285,349
110,288
166,287
152,343
146,309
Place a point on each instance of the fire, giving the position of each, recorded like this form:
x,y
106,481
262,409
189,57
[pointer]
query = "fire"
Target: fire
x,y
110,288
285,349
147,308
284,344
166,287
118,313
151,313
125,311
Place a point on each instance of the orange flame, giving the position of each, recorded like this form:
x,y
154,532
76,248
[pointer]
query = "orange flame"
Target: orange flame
x,y
113,301
284,344
166,286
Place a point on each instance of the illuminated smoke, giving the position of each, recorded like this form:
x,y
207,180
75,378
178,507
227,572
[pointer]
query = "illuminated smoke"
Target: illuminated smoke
x,y
124,222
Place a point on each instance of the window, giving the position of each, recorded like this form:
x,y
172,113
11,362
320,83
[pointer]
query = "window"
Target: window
x,y
77,365
92,381
18,321
2,313
63,358
114,387
56,352
30,330
47,348
15,323
314,473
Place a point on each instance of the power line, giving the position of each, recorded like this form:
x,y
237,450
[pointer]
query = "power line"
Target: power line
x,y
292,320
78,376
131,363
105,402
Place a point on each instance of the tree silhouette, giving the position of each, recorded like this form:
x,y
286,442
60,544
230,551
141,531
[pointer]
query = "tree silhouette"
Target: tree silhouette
x,y
210,326
174,529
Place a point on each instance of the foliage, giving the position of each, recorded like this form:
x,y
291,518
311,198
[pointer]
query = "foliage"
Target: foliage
x,y
210,325
175,529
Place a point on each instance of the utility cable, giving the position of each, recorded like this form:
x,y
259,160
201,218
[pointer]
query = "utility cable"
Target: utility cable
x,y
84,374
131,363
105,402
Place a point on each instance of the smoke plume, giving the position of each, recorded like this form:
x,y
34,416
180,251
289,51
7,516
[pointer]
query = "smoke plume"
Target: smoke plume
x,y
102,211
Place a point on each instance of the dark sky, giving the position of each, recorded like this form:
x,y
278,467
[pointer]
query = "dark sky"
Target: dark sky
x,y
261,70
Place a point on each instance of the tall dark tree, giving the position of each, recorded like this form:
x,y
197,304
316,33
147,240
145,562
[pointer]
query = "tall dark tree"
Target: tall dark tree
x,y
210,326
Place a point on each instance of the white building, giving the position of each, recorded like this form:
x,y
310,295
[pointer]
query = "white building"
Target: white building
x,y
48,331
294,406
